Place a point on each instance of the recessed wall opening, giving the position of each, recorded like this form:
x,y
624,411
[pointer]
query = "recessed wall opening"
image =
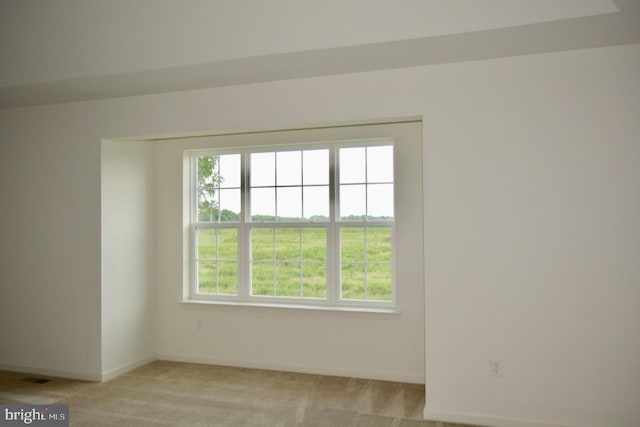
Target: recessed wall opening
x,y
361,264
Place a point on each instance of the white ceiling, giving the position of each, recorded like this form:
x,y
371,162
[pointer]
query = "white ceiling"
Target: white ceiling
x,y
69,50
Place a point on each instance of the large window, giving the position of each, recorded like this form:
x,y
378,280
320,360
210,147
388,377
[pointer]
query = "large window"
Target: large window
x,y
311,224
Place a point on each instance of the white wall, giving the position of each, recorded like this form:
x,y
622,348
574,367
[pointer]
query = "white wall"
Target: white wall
x,y
532,168
533,232
128,256
49,243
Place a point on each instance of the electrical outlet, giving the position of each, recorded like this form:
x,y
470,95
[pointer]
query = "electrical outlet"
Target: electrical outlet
x,y
198,323
496,367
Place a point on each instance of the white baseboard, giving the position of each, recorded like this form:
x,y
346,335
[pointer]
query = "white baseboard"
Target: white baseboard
x,y
485,420
74,375
383,376
113,373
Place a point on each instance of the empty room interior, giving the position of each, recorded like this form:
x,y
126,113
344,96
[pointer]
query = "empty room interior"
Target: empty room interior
x,y
336,212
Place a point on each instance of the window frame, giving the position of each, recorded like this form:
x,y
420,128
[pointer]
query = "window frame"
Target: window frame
x,y
245,225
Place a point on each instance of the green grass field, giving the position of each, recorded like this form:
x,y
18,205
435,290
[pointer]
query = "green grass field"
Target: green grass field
x,y
291,262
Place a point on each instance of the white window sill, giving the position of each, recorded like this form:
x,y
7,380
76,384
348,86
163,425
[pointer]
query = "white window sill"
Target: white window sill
x,y
312,307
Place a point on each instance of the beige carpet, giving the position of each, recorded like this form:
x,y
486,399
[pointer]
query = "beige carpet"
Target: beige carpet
x,y
182,394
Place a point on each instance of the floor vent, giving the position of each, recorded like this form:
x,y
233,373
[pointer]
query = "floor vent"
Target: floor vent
x,y
35,380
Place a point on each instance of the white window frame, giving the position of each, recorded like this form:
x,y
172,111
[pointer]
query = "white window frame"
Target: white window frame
x,y
333,226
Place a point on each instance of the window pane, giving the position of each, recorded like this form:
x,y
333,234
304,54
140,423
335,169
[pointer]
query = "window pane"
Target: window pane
x,y
315,167
207,244
207,204
262,244
289,170
289,207
314,244
262,278
288,279
215,275
263,169
208,170
353,281
380,164
379,244
352,202
207,277
379,282
229,206
380,201
352,244
316,203
314,280
230,170
228,278
352,165
228,244
206,210
288,244
263,204
208,181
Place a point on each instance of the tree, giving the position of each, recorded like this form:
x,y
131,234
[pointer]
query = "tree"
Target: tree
x,y
209,180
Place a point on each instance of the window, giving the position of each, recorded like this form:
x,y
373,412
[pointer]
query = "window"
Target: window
x,y
305,224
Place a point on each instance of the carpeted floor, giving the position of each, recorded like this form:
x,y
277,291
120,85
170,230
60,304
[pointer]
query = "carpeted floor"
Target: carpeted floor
x,y
182,394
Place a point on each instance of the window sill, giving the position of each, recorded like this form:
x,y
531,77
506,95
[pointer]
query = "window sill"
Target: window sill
x,y
312,307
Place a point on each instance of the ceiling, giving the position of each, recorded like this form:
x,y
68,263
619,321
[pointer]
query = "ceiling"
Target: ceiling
x,y
73,50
